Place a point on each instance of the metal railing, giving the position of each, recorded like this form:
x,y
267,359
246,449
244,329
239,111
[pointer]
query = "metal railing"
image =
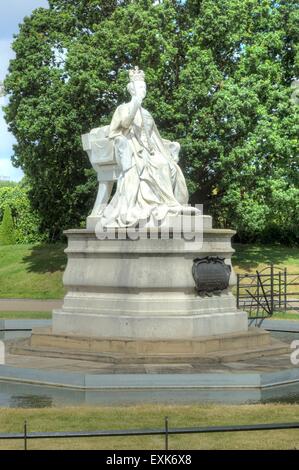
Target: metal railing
x,y
5,330
166,432
269,290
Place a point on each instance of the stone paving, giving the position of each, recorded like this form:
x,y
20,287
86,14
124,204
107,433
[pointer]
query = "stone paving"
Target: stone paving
x,y
261,364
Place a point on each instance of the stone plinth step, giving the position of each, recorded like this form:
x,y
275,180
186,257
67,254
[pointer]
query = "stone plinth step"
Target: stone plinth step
x,y
225,348
118,358
254,337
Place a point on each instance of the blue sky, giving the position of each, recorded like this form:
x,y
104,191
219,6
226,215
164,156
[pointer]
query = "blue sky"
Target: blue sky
x,y
12,14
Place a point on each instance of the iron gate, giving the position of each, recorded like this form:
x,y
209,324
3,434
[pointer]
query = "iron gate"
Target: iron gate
x,y
269,290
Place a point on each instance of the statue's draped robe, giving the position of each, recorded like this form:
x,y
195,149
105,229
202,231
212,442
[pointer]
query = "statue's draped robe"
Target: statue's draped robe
x,y
151,184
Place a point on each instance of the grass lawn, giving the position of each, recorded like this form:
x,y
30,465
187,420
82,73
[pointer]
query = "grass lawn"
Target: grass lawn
x,y
32,271
249,258
152,416
285,316
25,315
35,271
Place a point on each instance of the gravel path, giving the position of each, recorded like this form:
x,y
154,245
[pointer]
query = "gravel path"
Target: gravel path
x,y
29,305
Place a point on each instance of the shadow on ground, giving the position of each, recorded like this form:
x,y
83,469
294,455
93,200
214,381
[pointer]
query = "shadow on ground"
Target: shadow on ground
x,y
46,258
249,257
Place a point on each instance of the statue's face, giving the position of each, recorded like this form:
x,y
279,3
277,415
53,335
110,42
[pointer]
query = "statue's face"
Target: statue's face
x,y
140,88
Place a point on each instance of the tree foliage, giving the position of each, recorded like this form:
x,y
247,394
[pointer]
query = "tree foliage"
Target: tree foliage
x,y
219,76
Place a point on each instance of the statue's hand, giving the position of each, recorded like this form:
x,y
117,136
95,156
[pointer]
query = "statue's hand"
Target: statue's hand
x,y
137,100
173,148
134,106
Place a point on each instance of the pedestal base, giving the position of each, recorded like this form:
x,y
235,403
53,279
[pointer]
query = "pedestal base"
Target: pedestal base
x,y
144,288
165,325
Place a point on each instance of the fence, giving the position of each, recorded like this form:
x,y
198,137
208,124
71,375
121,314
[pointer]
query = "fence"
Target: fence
x,y
166,432
269,290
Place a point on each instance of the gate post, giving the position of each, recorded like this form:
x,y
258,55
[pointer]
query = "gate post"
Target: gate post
x,y
272,288
238,290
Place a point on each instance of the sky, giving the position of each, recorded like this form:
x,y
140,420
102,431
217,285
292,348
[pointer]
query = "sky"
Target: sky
x,y
12,14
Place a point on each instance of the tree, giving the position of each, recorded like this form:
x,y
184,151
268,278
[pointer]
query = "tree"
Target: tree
x,y
219,76
242,121
7,233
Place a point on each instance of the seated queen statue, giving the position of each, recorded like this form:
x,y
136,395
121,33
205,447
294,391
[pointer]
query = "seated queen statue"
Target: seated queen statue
x,y
150,185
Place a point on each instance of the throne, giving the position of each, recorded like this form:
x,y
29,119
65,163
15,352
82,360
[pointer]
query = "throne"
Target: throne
x,y
100,150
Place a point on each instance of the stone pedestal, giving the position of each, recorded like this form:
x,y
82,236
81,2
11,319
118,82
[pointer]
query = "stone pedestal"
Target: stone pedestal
x,y
144,289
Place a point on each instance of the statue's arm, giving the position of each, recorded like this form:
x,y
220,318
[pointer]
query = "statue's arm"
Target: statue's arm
x,y
129,111
173,148
123,117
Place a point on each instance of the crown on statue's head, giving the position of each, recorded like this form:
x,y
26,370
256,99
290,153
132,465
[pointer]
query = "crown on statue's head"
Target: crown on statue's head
x,y
136,74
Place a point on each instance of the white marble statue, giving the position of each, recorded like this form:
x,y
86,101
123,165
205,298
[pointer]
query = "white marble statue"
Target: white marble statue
x,y
150,184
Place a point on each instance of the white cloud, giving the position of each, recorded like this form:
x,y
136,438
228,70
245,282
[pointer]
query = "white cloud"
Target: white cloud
x,y
6,53
8,171
6,138
6,151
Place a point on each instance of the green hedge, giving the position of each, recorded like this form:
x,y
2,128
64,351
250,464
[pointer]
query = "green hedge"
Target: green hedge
x,y
26,222
7,231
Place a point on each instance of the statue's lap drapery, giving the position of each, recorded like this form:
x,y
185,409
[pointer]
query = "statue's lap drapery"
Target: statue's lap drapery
x,y
151,184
